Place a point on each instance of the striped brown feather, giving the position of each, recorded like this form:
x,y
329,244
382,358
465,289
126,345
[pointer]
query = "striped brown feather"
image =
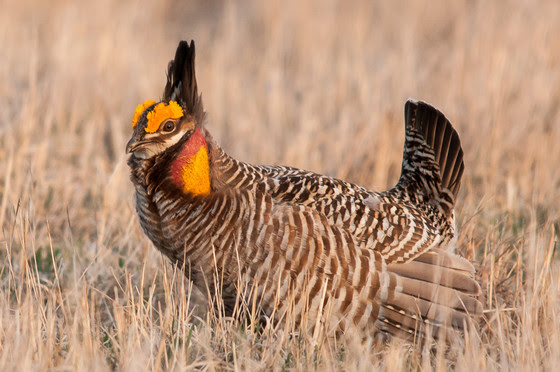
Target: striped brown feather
x,y
307,246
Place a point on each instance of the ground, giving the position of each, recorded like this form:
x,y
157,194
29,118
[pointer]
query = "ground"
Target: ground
x,y
319,85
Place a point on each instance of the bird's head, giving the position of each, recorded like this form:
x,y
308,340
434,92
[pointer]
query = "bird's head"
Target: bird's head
x,y
158,126
173,127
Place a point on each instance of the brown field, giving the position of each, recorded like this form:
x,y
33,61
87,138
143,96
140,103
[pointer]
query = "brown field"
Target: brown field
x,y
320,86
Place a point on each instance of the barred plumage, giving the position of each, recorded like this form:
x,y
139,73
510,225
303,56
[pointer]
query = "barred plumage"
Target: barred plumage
x,y
299,241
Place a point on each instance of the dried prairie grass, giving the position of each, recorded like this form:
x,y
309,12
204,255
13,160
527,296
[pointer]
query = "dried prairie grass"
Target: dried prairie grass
x,y
318,85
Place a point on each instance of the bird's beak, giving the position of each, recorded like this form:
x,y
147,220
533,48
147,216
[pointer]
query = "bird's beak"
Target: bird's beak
x,y
133,144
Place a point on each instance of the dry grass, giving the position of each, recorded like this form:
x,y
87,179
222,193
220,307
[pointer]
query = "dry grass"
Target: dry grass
x,y
319,85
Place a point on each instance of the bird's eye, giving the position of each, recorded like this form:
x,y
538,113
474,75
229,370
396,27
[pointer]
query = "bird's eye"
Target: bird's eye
x,y
168,126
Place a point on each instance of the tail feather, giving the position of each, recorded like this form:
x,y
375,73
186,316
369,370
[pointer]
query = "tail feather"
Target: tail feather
x,y
433,158
441,258
394,328
449,278
436,291
426,315
399,323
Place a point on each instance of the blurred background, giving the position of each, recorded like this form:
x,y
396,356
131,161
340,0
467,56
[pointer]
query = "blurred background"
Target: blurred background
x,y
319,85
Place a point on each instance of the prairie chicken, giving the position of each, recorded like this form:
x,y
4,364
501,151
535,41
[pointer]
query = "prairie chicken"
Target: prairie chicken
x,y
304,243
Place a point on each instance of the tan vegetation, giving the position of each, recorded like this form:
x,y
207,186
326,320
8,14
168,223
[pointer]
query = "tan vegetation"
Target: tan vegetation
x,y
319,85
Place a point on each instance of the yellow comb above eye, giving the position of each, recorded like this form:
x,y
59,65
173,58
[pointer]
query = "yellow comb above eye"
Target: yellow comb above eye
x,y
161,112
139,110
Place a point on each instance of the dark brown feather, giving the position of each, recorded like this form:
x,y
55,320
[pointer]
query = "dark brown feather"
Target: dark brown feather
x,y
181,83
432,152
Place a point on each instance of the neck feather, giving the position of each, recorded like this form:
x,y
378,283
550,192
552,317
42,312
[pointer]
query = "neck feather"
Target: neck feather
x,y
190,170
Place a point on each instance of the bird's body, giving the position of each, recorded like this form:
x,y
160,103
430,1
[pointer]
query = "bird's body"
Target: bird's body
x,y
299,242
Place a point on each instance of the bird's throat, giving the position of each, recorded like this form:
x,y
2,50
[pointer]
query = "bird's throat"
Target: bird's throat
x,y
191,169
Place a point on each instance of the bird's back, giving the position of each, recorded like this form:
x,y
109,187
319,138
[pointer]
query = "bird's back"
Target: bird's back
x,y
401,223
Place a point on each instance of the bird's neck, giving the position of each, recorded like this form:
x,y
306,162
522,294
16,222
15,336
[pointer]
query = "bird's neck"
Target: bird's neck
x,y
190,170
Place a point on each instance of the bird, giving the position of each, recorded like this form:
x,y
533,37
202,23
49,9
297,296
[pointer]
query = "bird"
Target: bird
x,y
302,244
